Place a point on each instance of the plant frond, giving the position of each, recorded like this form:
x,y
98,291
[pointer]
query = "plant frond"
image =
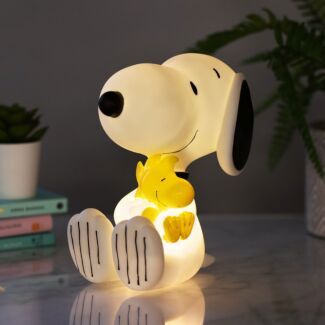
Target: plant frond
x,y
251,25
313,11
303,45
264,56
310,146
293,102
298,63
268,102
282,136
320,81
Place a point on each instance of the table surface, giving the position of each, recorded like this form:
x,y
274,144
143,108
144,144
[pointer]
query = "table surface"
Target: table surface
x,y
267,271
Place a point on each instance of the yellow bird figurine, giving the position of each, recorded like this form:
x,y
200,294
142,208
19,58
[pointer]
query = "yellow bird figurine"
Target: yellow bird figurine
x,y
159,184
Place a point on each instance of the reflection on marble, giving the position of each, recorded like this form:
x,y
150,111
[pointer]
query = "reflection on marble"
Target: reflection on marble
x,y
267,271
24,263
115,304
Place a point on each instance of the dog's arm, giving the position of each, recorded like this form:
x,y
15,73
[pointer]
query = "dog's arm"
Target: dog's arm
x,y
130,206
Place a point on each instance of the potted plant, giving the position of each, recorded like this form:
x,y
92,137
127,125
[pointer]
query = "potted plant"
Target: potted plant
x,y
297,59
20,143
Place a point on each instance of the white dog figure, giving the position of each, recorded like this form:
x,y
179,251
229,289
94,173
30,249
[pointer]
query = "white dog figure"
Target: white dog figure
x,y
189,106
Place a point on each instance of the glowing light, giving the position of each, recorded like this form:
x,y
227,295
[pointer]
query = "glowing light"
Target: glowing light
x,y
173,113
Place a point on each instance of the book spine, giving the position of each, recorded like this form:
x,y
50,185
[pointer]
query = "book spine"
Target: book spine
x,y
34,207
29,241
27,225
26,254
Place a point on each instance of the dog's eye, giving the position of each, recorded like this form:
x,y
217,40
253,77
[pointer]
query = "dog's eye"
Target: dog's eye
x,y
216,71
193,87
163,179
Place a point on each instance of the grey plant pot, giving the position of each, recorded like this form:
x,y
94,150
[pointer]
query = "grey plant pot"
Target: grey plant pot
x,y
315,186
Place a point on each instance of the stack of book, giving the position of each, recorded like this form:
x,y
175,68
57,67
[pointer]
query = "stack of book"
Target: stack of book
x,y
28,223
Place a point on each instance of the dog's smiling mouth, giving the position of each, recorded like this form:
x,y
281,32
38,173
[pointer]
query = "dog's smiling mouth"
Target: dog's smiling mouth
x,y
194,136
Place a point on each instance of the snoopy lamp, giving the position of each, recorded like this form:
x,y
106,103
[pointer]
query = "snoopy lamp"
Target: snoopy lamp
x,y
174,113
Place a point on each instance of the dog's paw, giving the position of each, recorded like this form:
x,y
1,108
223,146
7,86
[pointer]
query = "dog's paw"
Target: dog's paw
x,y
138,253
89,237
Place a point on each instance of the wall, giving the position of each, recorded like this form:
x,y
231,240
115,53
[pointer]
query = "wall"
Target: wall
x,y
56,55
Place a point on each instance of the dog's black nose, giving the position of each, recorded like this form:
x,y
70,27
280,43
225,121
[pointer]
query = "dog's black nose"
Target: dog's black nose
x,y
111,103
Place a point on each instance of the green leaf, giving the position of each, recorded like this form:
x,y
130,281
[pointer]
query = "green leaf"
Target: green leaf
x,y
313,10
293,110
2,126
272,18
252,25
3,113
259,57
319,81
278,34
4,137
18,132
38,134
22,117
32,112
17,108
310,147
282,136
267,102
17,118
17,124
256,19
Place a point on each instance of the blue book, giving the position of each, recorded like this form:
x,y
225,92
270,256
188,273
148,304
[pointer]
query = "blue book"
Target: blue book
x,y
43,203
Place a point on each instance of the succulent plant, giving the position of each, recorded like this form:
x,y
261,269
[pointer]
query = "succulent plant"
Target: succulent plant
x,y
19,125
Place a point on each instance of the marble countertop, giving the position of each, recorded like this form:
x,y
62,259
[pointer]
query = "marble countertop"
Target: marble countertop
x,y
267,271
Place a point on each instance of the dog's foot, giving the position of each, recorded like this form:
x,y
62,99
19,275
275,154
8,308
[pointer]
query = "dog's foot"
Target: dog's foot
x,y
140,311
89,236
138,253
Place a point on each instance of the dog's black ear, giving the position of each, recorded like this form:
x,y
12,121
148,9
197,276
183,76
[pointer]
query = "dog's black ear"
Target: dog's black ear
x,y
244,128
235,138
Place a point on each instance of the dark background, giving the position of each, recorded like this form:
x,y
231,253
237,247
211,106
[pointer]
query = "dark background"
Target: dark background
x,y
56,55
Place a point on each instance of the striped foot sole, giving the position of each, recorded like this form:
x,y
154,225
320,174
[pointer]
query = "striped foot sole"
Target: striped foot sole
x,y
89,236
138,253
